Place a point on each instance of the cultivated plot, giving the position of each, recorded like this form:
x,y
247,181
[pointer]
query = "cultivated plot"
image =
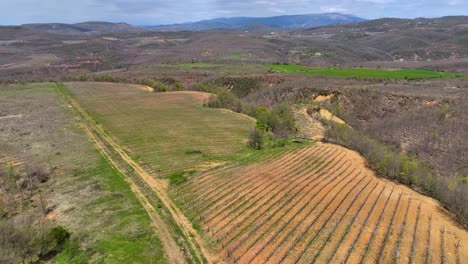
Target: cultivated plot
x,y
318,204
170,132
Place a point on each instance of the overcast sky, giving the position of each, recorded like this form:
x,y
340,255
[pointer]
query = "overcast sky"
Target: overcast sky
x,y
154,12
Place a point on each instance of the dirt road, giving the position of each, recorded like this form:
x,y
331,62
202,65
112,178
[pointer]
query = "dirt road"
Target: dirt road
x,y
105,143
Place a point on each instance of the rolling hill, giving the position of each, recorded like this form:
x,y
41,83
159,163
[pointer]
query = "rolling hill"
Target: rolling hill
x,y
84,27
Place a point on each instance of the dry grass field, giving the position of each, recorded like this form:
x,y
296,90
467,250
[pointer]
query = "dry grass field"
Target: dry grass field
x,y
318,204
169,132
84,193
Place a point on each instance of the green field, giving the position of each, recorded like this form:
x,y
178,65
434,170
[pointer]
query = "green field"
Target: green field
x,y
170,132
362,72
91,199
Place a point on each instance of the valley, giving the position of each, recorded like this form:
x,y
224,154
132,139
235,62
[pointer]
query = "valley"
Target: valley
x,y
321,138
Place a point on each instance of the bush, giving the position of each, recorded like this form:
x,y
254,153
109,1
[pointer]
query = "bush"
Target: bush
x,y
156,85
281,121
255,139
172,84
55,240
239,86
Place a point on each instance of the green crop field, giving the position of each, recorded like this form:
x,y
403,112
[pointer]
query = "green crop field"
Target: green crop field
x,y
362,72
171,132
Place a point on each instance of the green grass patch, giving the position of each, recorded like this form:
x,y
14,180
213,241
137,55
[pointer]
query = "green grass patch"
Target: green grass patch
x,y
177,178
192,152
180,177
410,74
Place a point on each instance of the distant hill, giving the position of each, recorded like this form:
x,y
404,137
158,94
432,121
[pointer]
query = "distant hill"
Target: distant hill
x,y
393,39
279,22
84,27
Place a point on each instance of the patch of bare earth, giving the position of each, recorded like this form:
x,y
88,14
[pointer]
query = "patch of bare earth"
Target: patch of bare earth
x,y
308,127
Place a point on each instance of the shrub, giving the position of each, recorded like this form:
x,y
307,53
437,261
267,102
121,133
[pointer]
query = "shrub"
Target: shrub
x,y
239,86
55,240
255,139
281,121
263,115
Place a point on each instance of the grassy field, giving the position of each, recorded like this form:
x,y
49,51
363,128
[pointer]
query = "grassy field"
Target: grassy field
x,y
170,132
363,72
89,197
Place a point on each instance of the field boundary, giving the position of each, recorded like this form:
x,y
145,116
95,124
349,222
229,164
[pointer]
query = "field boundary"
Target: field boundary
x,y
149,190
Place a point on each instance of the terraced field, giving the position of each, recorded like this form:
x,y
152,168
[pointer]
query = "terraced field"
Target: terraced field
x,y
318,204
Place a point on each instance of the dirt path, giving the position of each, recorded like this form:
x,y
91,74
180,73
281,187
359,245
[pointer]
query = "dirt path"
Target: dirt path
x,y
171,250
11,116
158,186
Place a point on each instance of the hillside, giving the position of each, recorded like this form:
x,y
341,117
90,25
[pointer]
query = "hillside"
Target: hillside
x,y
84,27
299,203
209,197
278,22
63,181
317,204
400,40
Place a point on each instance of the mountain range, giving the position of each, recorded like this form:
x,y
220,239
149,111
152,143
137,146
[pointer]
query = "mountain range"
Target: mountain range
x,y
279,22
287,22
84,27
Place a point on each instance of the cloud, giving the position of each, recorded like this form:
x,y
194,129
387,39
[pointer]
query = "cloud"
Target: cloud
x,y
152,12
377,1
454,2
333,9
277,10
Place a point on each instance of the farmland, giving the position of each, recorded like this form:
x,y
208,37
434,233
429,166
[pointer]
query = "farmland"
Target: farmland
x,y
84,194
362,72
298,203
336,144
170,132
295,204
317,204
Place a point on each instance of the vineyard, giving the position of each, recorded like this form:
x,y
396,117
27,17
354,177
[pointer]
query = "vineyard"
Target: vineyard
x,y
317,204
170,132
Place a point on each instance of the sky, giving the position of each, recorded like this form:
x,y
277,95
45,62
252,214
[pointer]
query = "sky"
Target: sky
x,y
155,12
